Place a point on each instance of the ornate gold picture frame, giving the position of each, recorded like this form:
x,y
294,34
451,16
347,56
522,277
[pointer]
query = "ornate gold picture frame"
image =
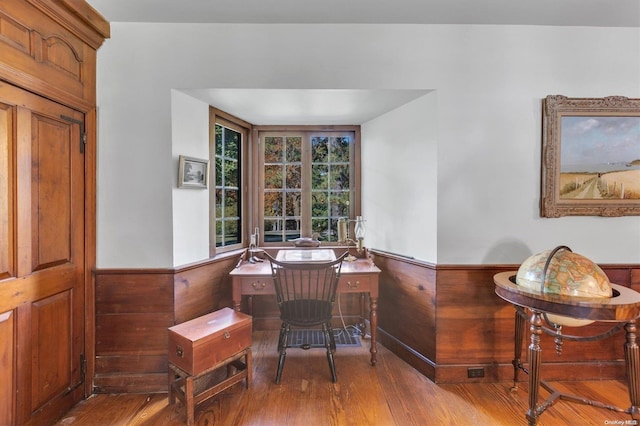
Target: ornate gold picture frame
x,y
590,156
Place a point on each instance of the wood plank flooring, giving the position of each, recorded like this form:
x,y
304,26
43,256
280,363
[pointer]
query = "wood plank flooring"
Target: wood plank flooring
x,y
392,393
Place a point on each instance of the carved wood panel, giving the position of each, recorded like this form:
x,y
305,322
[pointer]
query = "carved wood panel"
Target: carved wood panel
x,y
7,367
52,195
44,180
47,218
44,51
6,196
39,52
51,337
60,54
15,34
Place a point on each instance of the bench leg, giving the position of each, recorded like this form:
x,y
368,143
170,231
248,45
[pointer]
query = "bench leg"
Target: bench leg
x,y
234,367
188,396
249,367
172,379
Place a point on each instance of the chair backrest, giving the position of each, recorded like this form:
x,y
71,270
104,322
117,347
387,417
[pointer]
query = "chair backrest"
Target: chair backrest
x,y
306,291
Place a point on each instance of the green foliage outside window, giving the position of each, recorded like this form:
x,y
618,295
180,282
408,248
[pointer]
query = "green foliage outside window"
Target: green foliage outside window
x,y
228,220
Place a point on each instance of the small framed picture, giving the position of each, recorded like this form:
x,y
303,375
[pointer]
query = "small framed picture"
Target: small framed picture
x,y
193,173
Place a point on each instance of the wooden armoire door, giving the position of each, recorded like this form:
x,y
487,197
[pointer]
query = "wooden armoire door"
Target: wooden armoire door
x,y
42,267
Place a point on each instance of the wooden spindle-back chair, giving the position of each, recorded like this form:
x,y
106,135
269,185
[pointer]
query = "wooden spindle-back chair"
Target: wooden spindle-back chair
x,y
306,292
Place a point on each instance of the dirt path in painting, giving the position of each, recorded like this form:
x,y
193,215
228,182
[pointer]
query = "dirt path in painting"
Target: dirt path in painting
x,y
588,186
588,191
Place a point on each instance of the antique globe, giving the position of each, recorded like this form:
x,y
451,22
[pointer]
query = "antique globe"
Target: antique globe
x,y
563,272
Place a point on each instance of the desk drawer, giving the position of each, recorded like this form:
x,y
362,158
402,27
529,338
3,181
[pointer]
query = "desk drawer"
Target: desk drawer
x,y
354,284
258,285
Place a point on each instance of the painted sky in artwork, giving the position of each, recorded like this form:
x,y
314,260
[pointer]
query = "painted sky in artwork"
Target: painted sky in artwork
x,y
597,140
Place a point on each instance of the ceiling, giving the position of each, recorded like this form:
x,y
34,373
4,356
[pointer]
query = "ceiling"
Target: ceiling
x,y
305,107
259,106
601,13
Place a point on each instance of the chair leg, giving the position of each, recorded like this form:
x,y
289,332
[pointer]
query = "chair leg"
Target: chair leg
x,y
282,338
282,349
332,339
330,344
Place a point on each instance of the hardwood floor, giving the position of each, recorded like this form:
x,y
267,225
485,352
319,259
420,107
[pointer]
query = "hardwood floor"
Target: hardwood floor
x,y
392,393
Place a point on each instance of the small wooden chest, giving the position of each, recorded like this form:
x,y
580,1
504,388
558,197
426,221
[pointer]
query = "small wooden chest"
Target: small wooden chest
x,y
196,345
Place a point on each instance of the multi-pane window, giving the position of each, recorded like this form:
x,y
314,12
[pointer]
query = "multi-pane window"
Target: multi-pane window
x,y
282,187
228,177
309,183
285,182
330,183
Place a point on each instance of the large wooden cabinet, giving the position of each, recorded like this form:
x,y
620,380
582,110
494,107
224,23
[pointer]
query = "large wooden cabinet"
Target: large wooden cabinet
x,y
47,205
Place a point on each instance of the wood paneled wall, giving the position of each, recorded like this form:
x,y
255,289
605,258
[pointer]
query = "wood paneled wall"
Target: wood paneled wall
x,y
441,319
446,319
134,308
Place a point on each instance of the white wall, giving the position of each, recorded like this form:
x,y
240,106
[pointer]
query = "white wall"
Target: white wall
x,y
402,140
489,82
190,136
489,148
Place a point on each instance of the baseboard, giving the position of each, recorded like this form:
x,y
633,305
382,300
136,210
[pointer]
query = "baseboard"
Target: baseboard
x,y
130,383
492,372
407,354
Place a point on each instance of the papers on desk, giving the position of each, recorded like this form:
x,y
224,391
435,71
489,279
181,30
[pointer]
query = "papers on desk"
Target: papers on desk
x,y
322,255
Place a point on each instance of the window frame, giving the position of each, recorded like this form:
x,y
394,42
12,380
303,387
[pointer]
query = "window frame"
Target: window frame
x,y
222,118
306,131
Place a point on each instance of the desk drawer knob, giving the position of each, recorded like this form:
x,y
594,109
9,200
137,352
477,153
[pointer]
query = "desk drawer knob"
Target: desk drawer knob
x,y
226,335
258,286
179,351
356,285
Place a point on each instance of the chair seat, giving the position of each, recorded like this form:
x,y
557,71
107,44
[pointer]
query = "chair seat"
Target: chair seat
x,y
305,312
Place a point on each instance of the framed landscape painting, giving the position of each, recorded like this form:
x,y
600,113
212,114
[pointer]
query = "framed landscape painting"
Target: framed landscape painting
x,y
193,173
590,156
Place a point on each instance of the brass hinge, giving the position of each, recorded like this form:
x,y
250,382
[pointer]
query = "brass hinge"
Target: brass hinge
x,y
83,134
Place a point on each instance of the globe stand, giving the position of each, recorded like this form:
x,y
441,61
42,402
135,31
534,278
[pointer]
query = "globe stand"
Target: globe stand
x,y
622,309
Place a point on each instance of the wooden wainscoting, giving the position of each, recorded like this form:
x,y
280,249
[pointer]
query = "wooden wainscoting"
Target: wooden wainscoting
x,y
134,308
446,319
440,319
407,310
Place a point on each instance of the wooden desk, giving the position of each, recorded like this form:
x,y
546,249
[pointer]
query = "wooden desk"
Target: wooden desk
x,y
359,276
